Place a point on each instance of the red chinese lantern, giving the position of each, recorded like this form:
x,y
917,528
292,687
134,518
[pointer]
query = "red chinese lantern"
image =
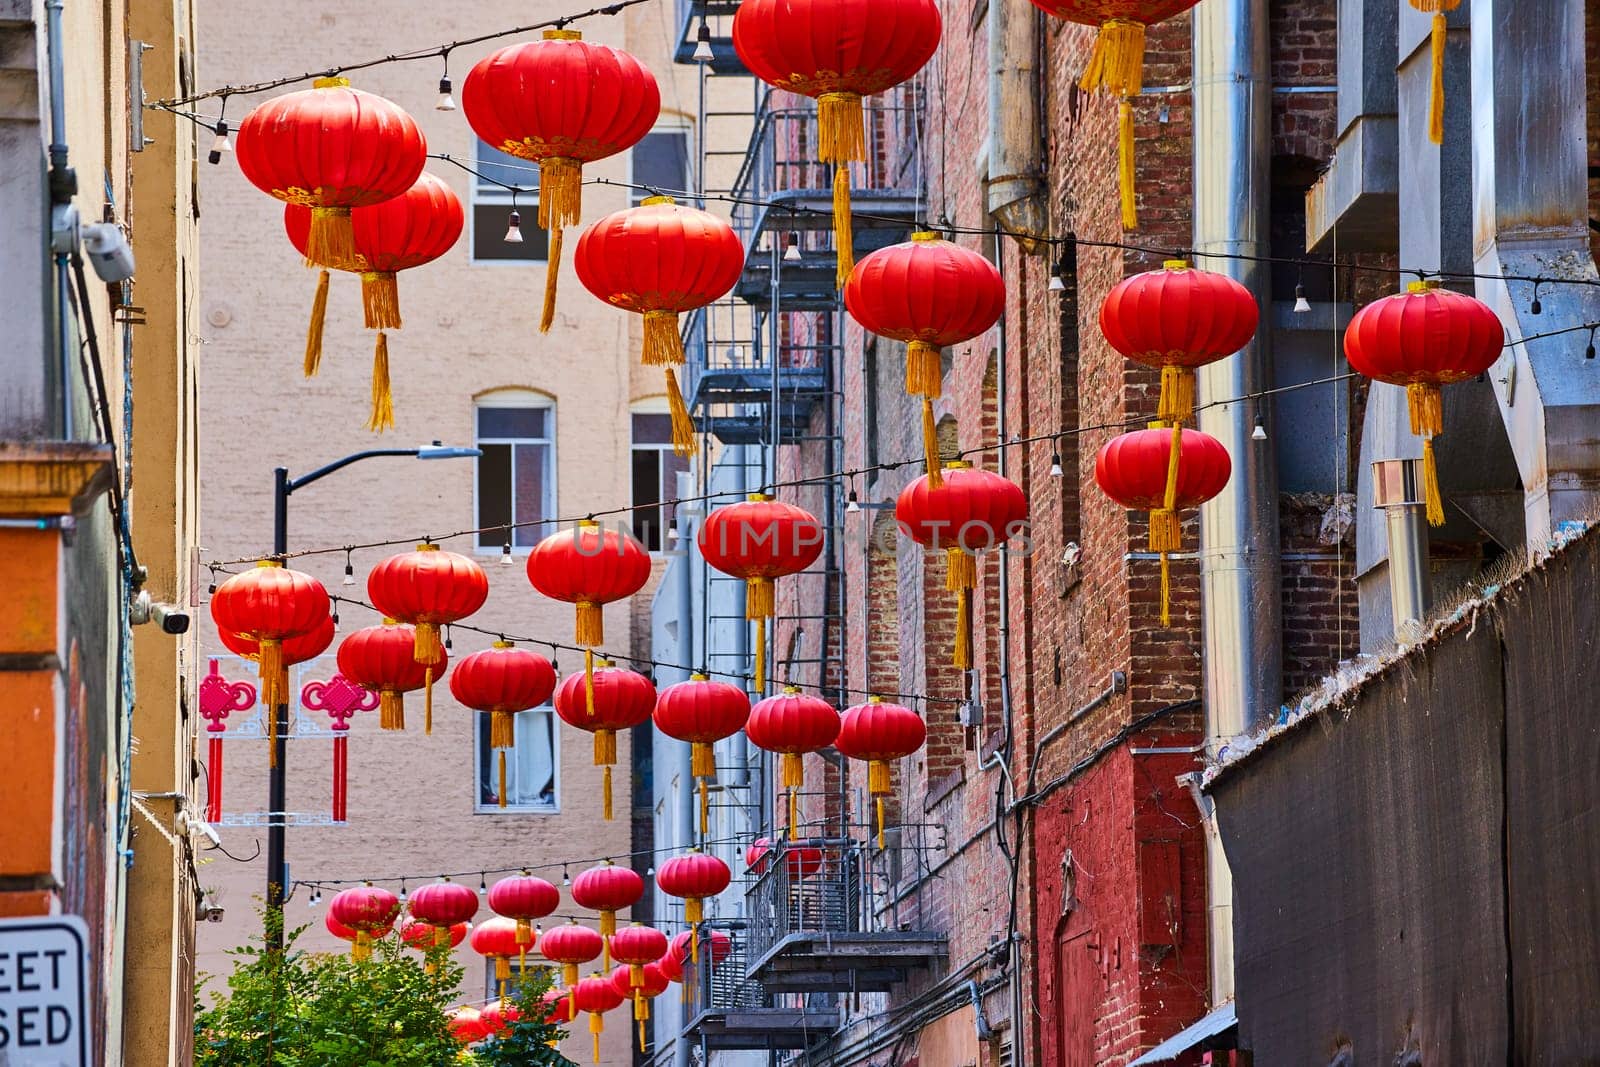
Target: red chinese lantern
x,y
837,51
444,905
429,940
369,911
622,700
660,260
428,589
760,540
879,733
652,983
1117,65
1425,339
702,712
268,606
1177,319
412,230
497,1019
1142,471
331,148
344,933
425,937
793,723
596,995
930,294
466,1026
970,512
696,877
589,567
607,889
571,946
496,939
560,102
383,660
718,945
502,681
524,899
558,1007
636,946
801,862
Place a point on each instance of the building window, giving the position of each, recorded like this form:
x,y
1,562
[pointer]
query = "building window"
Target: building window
x,y
531,779
491,209
661,161
655,476
516,473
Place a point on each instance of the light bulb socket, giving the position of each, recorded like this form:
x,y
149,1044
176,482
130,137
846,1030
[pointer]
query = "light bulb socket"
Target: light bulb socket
x,y
447,100
220,144
514,228
791,253
702,48
1260,432
1301,304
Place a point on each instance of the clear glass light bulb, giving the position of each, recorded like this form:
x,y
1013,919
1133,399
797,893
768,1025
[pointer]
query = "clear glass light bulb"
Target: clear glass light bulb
x,y
514,229
1301,304
791,254
1055,466
349,575
1260,432
220,144
505,555
702,48
447,100
853,504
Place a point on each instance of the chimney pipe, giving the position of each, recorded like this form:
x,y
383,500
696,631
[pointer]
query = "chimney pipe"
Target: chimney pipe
x,y
1397,492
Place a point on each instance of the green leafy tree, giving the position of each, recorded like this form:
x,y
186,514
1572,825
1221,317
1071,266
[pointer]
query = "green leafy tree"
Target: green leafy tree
x,y
301,1009
527,1041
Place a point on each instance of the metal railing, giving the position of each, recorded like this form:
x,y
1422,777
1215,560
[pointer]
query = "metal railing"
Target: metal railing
x,y
810,888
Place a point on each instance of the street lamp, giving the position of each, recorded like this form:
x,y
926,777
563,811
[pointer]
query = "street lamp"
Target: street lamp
x,y
277,803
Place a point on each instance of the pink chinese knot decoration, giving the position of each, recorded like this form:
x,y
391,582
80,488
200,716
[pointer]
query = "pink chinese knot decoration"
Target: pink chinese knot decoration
x,y
219,698
341,699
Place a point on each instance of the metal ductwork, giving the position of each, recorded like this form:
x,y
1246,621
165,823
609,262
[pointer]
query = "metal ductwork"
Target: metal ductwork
x,y
1397,492
1530,209
1015,188
1239,555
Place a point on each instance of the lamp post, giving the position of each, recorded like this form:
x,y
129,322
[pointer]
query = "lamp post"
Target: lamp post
x,y
277,804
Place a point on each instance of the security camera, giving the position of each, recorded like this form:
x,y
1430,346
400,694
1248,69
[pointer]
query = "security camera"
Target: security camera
x,y
109,252
207,831
172,619
211,914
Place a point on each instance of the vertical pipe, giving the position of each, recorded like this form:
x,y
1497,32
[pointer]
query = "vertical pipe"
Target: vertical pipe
x,y
277,777
1239,556
683,816
1396,491
63,186
1015,160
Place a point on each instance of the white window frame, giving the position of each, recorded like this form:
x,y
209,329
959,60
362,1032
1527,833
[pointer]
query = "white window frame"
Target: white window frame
x,y
516,399
545,711
667,124
486,193
656,405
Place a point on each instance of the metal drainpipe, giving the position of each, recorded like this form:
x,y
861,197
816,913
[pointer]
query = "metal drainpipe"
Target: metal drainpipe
x,y
63,186
1015,147
1019,1056
683,832
1239,555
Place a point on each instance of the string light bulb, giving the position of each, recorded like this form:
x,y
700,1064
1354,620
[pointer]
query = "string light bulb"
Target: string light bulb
x,y
1056,470
672,530
852,504
219,144
449,640
1536,308
447,100
505,555
1301,304
335,617
483,885
1260,432
1058,277
402,890
702,48
349,570
514,228
791,254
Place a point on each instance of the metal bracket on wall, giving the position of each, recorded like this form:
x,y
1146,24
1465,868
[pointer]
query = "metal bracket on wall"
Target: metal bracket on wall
x,y
137,141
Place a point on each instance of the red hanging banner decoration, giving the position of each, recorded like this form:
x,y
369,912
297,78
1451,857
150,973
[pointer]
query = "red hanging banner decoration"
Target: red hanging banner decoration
x,y
341,699
218,698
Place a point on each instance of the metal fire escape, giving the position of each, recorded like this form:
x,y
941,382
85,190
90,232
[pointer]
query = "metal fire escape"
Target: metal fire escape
x,y
765,366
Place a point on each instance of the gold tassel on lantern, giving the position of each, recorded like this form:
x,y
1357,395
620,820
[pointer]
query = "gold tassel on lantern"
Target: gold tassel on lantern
x,y
663,340
930,444
382,417
391,710
332,240
1117,66
1166,531
683,442
878,787
794,778
427,702
641,1012
597,1024
842,139
361,950
924,369
961,576
1426,404
319,316
1126,176
605,755
502,975
1177,395
502,763
380,299
1439,40
760,602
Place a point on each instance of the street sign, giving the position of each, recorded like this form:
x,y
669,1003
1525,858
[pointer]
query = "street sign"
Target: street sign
x,y
43,994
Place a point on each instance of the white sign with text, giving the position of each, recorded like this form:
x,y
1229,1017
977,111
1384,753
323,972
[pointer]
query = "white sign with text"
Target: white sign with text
x,y
43,992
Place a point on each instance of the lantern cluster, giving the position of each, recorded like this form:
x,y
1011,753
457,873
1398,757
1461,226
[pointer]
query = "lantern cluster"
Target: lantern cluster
x,y
560,102
837,51
366,912
1175,319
